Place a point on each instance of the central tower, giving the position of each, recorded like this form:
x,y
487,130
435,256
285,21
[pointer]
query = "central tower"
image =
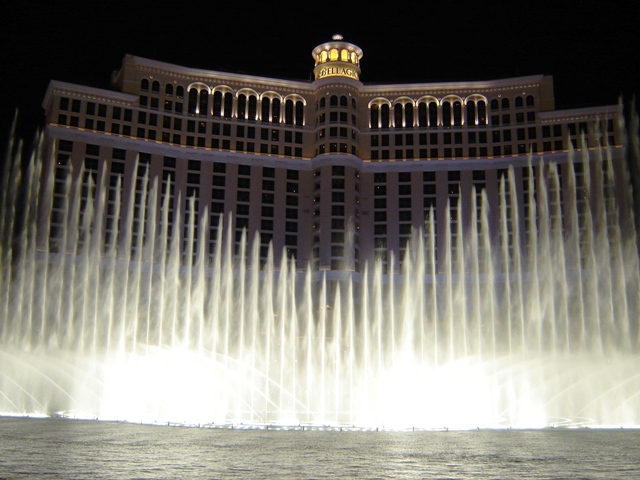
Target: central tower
x,y
337,162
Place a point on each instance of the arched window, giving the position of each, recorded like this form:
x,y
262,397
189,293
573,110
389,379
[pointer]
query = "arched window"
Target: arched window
x,y
288,112
217,104
253,108
471,113
433,114
144,84
344,55
266,109
519,102
323,102
408,115
228,104
375,116
333,101
275,110
494,104
530,101
293,112
155,86
343,101
180,91
203,107
384,116
397,115
505,103
457,113
446,114
299,113
476,111
168,89
193,100
403,113
422,114
482,113
354,105
242,106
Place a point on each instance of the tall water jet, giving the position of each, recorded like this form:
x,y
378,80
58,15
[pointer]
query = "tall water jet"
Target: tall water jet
x,y
145,329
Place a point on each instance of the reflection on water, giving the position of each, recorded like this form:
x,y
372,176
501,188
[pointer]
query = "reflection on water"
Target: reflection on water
x,y
83,449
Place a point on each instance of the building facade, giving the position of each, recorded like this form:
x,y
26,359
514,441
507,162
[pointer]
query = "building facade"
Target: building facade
x,y
331,172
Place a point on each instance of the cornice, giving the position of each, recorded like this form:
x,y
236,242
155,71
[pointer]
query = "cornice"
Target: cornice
x,y
259,83
447,88
576,114
91,93
191,75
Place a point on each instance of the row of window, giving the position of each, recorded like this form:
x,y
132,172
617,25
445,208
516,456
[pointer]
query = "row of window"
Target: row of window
x,y
341,256
201,100
335,54
335,101
118,155
338,227
464,152
427,114
267,200
526,139
96,115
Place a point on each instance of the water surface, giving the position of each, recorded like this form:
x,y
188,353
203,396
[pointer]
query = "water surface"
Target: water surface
x,y
58,448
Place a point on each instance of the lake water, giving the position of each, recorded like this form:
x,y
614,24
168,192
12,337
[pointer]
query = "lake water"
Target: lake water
x,y
56,448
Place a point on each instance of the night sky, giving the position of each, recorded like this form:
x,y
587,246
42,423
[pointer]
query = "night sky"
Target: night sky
x,y
591,48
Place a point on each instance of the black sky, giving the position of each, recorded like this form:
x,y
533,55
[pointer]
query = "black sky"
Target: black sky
x,y
592,48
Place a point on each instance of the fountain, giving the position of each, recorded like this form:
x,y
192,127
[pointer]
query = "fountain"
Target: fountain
x,y
544,337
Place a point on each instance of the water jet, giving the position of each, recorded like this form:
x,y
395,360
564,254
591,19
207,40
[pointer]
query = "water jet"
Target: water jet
x,y
551,340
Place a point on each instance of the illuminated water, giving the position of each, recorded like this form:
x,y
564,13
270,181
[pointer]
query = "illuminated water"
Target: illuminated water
x,y
112,335
80,449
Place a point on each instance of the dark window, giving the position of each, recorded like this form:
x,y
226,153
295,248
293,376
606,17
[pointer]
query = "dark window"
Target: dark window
x,y
65,145
268,172
119,154
93,150
268,185
228,104
446,114
193,178
404,189
429,189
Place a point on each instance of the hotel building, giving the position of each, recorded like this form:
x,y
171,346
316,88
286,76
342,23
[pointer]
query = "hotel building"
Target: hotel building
x,y
333,172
